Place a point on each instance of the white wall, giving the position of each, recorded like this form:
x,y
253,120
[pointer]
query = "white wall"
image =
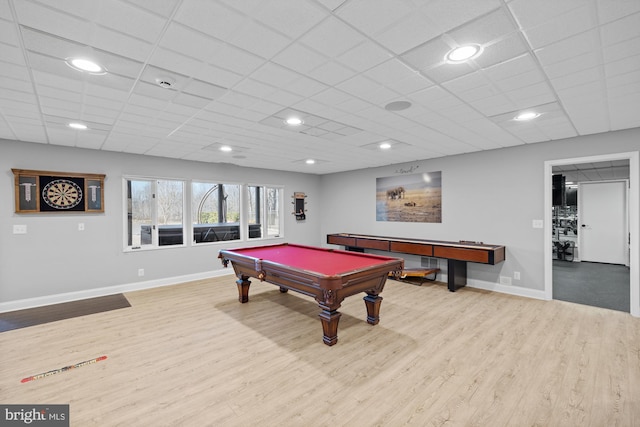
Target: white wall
x,y
55,262
491,196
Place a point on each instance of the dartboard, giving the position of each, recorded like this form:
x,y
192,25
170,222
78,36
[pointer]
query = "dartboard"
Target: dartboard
x,y
62,194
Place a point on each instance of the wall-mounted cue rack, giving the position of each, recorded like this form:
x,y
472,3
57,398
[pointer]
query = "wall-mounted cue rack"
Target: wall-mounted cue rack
x,y
44,191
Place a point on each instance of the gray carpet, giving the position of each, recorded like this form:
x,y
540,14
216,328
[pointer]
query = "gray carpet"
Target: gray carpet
x,y
590,283
66,310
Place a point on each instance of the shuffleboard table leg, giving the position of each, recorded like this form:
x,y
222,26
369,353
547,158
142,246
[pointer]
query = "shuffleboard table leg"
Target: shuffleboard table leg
x,y
329,319
243,288
373,308
457,274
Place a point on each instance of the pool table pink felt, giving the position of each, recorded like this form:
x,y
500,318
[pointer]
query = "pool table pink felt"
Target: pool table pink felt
x,y
328,275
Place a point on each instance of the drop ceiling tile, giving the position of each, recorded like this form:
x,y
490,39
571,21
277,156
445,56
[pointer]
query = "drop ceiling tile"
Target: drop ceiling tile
x,y
259,39
611,10
502,50
203,89
531,96
623,66
577,20
390,71
128,19
255,88
18,85
493,26
373,17
275,75
331,73
299,58
305,86
472,86
367,89
364,56
580,44
210,17
237,99
290,18
435,97
185,65
621,50
12,57
428,55
572,65
191,100
99,91
577,79
446,72
154,91
163,8
514,74
450,14
8,33
413,30
332,38
47,20
493,105
531,14
188,41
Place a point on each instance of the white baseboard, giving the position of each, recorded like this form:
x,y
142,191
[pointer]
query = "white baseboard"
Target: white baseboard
x,y
109,290
504,289
137,286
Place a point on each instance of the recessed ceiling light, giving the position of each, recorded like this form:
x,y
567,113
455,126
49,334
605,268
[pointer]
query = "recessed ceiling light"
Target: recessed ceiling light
x,y
294,121
78,126
226,148
384,146
463,53
85,65
397,106
526,115
310,161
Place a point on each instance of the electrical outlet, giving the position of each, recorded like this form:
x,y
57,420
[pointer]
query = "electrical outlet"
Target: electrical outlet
x,y
505,280
140,272
19,229
516,275
81,226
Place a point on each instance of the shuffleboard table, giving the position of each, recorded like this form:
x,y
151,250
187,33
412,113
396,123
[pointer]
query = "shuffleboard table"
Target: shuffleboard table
x,y
328,275
457,254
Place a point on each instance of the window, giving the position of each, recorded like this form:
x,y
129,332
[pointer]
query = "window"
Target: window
x,y
264,211
154,213
165,212
215,211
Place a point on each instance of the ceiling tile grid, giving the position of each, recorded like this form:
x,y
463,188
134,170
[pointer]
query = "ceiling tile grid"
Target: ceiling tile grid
x,y
184,77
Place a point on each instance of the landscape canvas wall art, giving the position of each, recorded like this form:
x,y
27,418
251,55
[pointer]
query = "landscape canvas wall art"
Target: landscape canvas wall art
x,y
409,198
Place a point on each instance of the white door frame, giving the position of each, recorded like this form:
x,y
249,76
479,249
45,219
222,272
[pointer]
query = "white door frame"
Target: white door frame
x,y
634,221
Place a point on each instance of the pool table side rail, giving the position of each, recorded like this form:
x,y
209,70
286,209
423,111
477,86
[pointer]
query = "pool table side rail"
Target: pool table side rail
x,y
262,269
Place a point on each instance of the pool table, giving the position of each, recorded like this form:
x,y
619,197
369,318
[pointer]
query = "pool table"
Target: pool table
x,y
328,275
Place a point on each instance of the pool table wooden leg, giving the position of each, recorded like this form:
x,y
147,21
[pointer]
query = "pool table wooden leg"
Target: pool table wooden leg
x,y
243,288
329,319
373,308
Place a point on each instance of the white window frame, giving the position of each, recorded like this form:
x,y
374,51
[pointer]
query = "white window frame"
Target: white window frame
x,y
155,242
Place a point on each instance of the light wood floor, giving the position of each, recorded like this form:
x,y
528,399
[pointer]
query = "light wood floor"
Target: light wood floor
x,y
192,355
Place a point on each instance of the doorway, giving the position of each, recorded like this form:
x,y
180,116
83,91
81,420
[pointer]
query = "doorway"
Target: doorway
x,y
589,169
